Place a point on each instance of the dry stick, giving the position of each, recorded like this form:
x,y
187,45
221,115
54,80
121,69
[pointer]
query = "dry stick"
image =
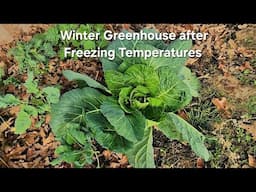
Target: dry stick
x,y
3,161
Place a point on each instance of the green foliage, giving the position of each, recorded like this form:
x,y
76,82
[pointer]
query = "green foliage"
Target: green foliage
x,y
142,153
188,133
22,122
251,105
39,103
8,100
45,46
140,94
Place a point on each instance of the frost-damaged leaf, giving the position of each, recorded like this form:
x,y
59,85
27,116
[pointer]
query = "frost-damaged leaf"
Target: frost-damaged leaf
x,y
73,76
130,126
142,153
22,122
71,109
52,94
105,133
8,100
188,132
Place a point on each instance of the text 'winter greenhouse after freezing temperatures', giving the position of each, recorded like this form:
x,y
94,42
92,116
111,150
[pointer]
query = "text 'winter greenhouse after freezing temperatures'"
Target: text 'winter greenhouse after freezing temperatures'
x,y
109,35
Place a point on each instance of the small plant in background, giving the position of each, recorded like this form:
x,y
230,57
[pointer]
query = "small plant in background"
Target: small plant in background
x,y
251,105
42,47
140,95
38,103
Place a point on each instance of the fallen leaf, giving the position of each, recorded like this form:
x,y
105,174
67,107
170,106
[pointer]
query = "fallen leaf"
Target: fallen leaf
x,y
30,138
221,104
14,110
232,44
47,118
250,128
200,163
107,154
246,65
183,115
124,161
114,165
49,139
126,26
252,161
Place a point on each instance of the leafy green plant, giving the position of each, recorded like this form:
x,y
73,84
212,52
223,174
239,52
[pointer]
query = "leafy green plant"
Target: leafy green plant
x,y
39,103
42,47
141,94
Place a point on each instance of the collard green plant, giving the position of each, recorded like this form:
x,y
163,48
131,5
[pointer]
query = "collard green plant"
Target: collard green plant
x,y
140,94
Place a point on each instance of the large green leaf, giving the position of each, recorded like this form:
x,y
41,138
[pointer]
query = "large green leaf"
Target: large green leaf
x,y
130,126
115,81
52,94
156,62
187,131
173,93
142,153
191,81
22,122
179,45
105,133
70,111
108,65
73,76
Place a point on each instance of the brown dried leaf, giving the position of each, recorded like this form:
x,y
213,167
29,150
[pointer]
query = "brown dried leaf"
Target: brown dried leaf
x,y
30,138
114,165
14,110
49,139
183,115
252,161
124,161
107,154
250,128
232,44
246,65
221,104
200,163
47,118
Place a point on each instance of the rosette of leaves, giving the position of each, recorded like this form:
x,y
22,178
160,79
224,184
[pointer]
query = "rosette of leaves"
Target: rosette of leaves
x,y
140,94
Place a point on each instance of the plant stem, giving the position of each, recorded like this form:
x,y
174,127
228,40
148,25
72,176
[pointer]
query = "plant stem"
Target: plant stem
x,y
151,123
